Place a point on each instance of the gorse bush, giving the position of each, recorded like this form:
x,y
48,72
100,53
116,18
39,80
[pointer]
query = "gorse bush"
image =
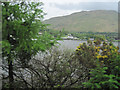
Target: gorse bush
x,y
85,54
96,50
106,58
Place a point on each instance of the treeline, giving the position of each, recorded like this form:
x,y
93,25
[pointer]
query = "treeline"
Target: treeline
x,y
109,36
56,33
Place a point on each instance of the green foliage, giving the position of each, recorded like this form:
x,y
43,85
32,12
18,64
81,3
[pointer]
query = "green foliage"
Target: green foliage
x,y
114,65
21,25
100,79
110,36
106,73
6,47
57,34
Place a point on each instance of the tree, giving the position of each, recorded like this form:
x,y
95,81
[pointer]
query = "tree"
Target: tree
x,y
54,68
21,23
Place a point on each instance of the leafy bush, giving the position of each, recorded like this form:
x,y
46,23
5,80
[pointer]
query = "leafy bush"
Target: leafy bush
x,y
96,50
101,79
106,58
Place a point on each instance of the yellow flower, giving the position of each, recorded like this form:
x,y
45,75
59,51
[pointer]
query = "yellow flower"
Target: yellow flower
x,y
81,44
110,46
99,56
96,53
117,47
95,47
78,46
98,47
112,51
98,50
108,53
105,49
77,49
116,50
102,61
105,56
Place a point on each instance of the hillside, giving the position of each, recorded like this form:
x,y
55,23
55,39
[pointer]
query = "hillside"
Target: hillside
x,y
86,21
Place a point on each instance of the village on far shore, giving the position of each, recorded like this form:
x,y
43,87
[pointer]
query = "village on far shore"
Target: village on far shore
x,y
70,37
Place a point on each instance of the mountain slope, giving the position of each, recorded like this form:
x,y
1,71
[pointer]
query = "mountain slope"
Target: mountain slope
x,y
86,21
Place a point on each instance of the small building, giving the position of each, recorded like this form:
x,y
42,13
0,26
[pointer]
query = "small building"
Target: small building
x,y
40,33
69,37
92,39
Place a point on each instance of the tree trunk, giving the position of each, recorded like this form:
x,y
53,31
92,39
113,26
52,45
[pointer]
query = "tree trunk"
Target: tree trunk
x,y
10,70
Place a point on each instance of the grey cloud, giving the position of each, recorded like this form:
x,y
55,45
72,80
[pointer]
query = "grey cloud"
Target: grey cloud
x,y
87,6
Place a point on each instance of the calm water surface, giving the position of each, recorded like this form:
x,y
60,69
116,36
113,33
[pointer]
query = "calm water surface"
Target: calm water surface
x,y
72,44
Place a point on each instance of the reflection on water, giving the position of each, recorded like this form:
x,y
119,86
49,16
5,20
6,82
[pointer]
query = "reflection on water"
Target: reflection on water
x,y
72,44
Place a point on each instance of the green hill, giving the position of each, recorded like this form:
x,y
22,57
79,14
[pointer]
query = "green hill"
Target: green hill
x,y
86,21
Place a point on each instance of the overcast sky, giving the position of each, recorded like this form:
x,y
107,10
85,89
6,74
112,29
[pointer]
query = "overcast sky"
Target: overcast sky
x,y
55,8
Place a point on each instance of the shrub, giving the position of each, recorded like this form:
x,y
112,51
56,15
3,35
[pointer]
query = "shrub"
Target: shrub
x,y
51,69
88,53
101,79
59,69
103,61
